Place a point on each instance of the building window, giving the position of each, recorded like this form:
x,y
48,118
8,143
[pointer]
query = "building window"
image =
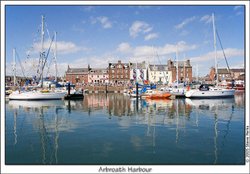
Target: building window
x,y
113,71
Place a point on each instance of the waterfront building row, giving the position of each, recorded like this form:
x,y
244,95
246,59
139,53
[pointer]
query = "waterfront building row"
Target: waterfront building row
x,y
124,73
225,74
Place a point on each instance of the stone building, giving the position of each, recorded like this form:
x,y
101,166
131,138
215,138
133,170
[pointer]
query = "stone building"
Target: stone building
x,y
238,73
159,74
119,73
98,76
228,75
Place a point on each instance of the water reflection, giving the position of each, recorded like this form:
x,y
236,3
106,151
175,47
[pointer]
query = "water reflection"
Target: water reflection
x,y
146,125
47,121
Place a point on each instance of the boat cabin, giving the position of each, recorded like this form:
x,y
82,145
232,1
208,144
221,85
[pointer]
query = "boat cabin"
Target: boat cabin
x,y
204,87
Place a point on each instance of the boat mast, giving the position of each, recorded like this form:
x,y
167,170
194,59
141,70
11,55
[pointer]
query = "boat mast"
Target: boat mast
x,y
197,73
55,58
42,49
177,68
14,65
215,52
184,69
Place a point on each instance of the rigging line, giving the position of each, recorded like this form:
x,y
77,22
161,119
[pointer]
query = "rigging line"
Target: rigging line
x,y
161,64
46,57
223,53
47,30
33,43
20,64
49,67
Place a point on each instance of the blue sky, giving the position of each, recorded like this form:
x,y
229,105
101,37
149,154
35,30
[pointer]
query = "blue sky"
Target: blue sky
x,y
97,35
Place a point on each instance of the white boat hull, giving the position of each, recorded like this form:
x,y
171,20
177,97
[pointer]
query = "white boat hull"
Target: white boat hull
x,y
178,92
37,95
210,93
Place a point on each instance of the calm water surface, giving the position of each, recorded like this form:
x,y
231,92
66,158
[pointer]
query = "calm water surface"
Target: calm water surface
x,y
115,129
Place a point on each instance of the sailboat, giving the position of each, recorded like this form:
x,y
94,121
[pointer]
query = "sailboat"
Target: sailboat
x,y
178,89
39,94
206,91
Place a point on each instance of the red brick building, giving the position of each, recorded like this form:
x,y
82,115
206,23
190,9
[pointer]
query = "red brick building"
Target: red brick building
x,y
77,75
119,72
184,70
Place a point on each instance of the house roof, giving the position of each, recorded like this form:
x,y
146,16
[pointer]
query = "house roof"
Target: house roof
x,y
182,63
158,67
238,70
98,71
138,65
223,71
113,65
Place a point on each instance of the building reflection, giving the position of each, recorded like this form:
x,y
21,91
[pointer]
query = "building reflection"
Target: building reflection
x,y
50,118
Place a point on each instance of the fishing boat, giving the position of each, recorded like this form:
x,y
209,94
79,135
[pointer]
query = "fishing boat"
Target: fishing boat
x,y
156,94
40,93
206,91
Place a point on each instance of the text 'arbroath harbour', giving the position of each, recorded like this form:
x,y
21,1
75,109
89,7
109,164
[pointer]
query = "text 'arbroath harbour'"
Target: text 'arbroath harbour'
x,y
123,169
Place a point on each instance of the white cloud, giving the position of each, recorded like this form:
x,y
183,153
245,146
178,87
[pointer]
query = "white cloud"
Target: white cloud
x,y
238,65
207,19
143,51
139,27
62,47
238,10
149,51
124,47
229,52
185,22
94,61
105,22
151,36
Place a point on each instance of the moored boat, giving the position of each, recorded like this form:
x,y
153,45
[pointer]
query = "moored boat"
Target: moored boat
x,y
155,94
179,92
41,93
37,95
206,91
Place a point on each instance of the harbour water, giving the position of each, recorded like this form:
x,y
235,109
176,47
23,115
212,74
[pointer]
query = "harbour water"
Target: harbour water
x,y
115,129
